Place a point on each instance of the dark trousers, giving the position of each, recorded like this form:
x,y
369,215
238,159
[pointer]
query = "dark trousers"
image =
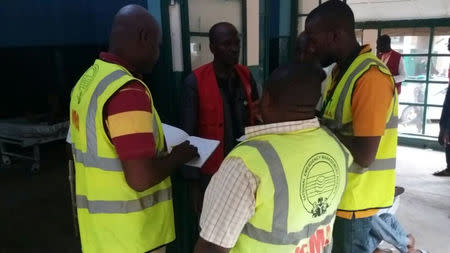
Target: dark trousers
x,y
352,236
447,156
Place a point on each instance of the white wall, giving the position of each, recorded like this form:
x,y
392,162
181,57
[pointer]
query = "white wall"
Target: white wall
x,y
379,10
205,13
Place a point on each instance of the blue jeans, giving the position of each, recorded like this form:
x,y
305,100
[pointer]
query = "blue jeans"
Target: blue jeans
x,y
352,236
365,234
386,227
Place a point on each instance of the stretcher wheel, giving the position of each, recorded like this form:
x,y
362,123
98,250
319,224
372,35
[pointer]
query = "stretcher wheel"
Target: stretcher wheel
x,y
35,168
6,160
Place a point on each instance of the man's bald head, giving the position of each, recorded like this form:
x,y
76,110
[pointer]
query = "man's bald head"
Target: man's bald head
x,y
135,36
224,43
292,92
218,30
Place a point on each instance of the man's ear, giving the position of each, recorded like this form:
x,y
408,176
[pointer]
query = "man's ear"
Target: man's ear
x,y
333,36
144,36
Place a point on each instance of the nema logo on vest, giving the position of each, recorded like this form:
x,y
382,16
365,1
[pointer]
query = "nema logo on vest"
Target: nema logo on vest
x,y
319,183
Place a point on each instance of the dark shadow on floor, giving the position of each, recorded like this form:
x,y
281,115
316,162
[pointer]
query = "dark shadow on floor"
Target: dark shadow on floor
x,y
35,210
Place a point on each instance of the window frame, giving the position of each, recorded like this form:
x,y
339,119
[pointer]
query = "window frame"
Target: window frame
x,y
428,23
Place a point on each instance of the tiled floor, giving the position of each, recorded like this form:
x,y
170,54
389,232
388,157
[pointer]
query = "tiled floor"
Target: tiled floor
x,y
35,213
425,206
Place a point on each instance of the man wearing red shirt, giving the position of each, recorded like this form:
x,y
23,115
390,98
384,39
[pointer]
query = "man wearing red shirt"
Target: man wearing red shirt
x,y
218,101
444,124
124,200
392,59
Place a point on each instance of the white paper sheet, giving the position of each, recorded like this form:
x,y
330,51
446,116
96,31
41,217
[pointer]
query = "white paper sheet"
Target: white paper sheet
x,y
175,136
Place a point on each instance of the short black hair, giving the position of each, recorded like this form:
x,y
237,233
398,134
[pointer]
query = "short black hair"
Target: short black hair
x,y
384,39
296,84
212,34
336,14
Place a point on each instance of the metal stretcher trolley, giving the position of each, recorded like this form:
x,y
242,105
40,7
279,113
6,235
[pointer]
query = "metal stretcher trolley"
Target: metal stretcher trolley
x,y
20,139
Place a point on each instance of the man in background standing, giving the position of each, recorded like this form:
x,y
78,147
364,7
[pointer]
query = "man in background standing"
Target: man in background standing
x,y
392,59
444,124
218,102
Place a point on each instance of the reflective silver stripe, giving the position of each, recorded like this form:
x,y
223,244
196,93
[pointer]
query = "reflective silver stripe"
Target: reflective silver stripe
x,y
340,106
330,123
128,206
278,234
347,128
392,123
91,158
276,237
155,127
91,129
344,150
281,198
378,164
393,120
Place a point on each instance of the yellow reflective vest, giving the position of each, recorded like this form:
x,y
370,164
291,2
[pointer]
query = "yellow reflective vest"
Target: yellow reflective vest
x,y
301,179
112,216
372,187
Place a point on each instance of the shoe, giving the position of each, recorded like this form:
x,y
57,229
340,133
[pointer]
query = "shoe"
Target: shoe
x,y
442,173
398,191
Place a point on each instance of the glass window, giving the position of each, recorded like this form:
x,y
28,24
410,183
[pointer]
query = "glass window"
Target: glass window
x,y
409,40
205,13
416,67
306,6
436,93
410,119
432,121
412,93
200,53
440,40
439,68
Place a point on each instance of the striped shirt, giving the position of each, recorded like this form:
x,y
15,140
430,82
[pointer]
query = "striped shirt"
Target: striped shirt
x,y
128,117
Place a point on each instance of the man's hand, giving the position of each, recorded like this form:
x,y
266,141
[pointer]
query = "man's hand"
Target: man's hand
x,y
184,152
141,174
444,138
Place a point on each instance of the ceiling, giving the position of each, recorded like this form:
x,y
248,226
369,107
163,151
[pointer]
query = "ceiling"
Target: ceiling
x,y
374,10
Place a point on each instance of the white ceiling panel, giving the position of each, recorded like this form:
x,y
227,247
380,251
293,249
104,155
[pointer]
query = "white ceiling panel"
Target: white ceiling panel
x,y
374,10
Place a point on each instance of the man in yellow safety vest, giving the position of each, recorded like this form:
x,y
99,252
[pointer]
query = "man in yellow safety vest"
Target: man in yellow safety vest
x,y
123,188
361,107
278,191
